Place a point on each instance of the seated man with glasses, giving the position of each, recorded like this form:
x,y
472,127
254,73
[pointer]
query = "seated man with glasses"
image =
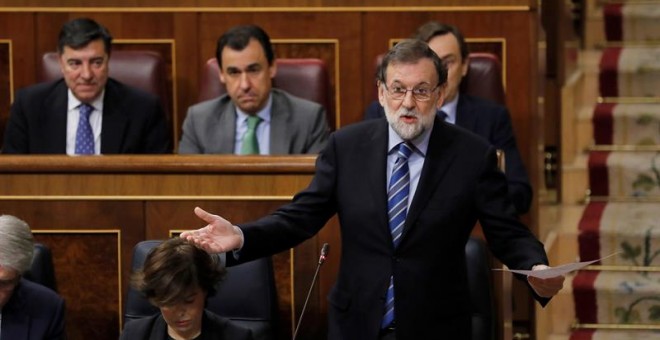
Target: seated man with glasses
x,y
27,310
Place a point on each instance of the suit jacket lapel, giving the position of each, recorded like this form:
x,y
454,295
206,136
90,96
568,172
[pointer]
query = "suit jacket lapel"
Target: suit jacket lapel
x,y
226,122
374,154
436,164
114,120
55,119
280,137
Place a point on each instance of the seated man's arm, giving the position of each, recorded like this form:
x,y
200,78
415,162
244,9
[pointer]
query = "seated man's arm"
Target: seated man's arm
x,y
319,132
16,140
189,143
158,138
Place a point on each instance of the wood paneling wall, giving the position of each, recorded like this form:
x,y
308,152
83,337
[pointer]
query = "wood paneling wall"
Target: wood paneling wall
x,y
348,40
263,3
91,211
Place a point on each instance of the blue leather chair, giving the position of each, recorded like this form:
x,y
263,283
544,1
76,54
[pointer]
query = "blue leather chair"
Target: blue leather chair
x,y
42,270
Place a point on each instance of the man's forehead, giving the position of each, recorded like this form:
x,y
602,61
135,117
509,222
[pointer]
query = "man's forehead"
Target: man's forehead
x,y
242,59
242,67
77,53
423,72
445,45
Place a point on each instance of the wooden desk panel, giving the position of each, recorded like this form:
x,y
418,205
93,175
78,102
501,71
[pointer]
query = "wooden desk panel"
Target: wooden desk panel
x,y
91,211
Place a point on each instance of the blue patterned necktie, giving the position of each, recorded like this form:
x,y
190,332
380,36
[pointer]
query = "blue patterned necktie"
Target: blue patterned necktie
x,y
397,207
250,144
84,134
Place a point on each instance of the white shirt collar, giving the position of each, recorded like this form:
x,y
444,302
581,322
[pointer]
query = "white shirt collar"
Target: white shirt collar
x,y
73,102
263,113
421,143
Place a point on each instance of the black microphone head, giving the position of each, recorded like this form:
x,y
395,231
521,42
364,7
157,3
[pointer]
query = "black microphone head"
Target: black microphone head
x,y
325,249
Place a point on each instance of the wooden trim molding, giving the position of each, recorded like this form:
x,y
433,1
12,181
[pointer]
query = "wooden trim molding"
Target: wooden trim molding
x,y
268,9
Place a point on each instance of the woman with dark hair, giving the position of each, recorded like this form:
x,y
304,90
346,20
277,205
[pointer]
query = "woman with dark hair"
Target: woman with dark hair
x,y
177,277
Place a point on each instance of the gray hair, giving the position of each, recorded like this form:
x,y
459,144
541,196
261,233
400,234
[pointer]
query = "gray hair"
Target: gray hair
x,y
411,51
16,244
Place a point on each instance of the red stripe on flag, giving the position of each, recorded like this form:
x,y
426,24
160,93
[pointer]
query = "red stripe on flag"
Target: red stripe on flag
x,y
613,22
603,122
609,69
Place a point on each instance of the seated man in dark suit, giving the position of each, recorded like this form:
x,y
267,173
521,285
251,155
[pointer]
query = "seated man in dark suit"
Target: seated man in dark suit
x,y
487,119
86,112
253,117
28,310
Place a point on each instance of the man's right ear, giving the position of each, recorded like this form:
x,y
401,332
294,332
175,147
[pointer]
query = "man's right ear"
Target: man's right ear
x,y
381,93
221,77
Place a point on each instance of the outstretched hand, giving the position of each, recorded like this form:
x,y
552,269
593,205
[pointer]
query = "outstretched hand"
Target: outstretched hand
x,y
546,288
219,236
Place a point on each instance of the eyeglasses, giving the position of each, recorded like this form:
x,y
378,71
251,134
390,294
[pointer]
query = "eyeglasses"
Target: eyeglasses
x,y
420,94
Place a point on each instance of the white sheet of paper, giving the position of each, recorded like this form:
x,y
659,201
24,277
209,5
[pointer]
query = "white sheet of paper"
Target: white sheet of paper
x,y
555,271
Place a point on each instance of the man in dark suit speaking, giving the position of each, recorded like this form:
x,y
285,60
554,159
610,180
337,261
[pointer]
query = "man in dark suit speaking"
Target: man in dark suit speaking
x,y
408,191
485,118
253,117
86,112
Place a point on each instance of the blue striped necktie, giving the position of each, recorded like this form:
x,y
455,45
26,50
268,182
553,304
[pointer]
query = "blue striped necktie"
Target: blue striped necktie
x,y
397,207
84,133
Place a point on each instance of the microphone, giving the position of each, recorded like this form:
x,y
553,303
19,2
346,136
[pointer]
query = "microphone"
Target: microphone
x,y
324,253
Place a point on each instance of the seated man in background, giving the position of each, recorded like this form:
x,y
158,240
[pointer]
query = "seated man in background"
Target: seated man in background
x,y
28,310
177,277
253,117
86,112
485,118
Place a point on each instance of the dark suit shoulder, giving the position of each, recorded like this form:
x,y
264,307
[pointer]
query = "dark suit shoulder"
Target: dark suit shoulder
x,y
467,139
480,101
225,327
374,111
40,294
139,328
362,129
484,106
128,91
41,90
34,299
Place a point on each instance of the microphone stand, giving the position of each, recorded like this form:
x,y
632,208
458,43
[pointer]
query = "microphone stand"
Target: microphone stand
x,y
324,253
